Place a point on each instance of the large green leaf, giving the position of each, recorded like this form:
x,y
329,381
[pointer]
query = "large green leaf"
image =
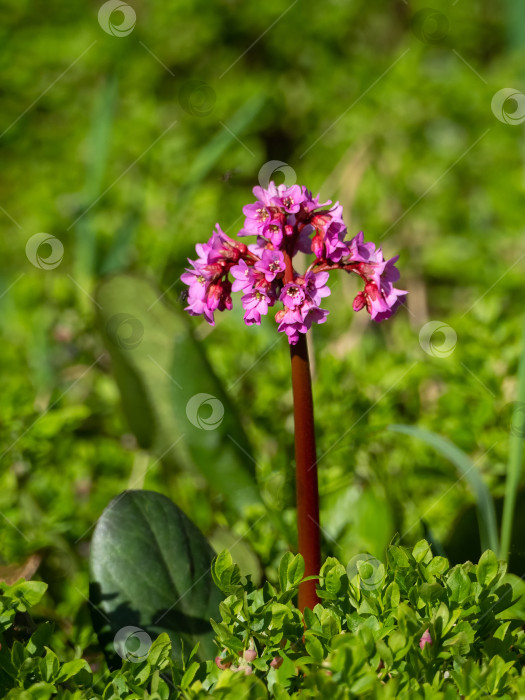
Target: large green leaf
x,y
174,402
488,528
150,569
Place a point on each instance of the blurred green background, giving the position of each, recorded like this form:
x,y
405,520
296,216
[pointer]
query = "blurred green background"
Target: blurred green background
x,y
129,148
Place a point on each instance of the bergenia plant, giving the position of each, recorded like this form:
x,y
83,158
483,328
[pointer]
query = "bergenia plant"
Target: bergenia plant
x,y
286,221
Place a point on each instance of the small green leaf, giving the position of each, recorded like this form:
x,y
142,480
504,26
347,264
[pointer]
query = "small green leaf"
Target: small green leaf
x,y
459,584
314,647
49,666
438,566
399,557
392,596
283,570
296,570
422,551
39,639
429,592
189,675
159,652
487,568
222,563
28,593
75,668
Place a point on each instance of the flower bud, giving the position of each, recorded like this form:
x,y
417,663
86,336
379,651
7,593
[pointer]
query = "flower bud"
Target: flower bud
x,y
318,246
359,302
219,664
276,662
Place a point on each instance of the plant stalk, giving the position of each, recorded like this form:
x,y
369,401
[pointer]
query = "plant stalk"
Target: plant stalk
x,y
309,540
308,528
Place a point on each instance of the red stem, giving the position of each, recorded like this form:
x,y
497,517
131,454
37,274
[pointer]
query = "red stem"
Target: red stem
x,y
309,540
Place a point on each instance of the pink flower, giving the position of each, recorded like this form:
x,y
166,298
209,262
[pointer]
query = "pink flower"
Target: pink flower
x,y
243,277
289,198
291,322
315,287
286,221
255,303
271,264
292,295
425,639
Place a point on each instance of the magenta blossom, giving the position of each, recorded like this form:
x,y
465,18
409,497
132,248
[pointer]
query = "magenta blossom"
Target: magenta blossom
x,y
425,639
286,221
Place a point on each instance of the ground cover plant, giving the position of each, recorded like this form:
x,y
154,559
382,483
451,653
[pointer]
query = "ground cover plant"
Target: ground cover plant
x,y
148,481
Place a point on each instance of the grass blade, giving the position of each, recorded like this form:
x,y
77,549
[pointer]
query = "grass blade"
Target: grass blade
x,y
515,458
488,530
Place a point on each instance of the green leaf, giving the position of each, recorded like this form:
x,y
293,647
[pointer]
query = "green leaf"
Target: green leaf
x,y
39,639
429,592
295,570
314,647
160,650
392,596
422,551
151,570
189,675
459,584
174,402
286,559
49,666
333,576
467,469
487,568
437,566
78,667
28,593
221,564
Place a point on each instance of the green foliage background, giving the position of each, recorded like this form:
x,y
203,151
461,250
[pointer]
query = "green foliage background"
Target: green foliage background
x,y
100,149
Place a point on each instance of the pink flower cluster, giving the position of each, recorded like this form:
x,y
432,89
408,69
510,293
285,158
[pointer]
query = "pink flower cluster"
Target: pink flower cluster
x,y
286,221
